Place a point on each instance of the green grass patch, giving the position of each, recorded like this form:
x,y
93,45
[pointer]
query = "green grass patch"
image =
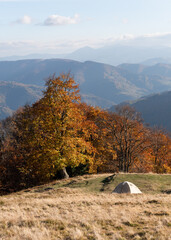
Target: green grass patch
x,y
147,183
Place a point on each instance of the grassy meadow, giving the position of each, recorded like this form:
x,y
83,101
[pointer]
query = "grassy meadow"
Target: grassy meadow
x,y
84,208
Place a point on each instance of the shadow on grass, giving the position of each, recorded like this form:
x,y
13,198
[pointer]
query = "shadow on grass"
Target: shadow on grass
x,y
168,191
107,181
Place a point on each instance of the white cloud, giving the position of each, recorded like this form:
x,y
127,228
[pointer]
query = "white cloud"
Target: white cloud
x,y
57,20
25,20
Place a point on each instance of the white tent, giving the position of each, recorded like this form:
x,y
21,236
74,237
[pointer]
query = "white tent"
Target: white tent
x,y
126,187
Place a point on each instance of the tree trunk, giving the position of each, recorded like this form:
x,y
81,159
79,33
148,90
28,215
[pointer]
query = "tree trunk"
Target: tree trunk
x,y
63,173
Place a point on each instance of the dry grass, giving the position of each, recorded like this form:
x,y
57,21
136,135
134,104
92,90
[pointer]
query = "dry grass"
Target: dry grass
x,y
69,213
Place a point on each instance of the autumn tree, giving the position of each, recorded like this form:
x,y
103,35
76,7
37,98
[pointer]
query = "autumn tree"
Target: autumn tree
x,y
46,137
160,151
95,123
127,136
52,130
10,156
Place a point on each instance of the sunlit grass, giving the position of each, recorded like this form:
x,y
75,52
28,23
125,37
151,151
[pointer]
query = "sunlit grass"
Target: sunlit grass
x,y
84,208
148,183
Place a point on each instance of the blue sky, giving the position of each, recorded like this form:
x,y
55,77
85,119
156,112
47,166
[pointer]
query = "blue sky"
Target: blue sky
x,y
61,26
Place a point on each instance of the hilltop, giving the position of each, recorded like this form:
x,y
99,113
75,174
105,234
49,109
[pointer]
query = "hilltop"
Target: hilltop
x,y
77,209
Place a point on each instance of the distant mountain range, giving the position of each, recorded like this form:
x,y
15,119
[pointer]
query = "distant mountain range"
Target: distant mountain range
x,y
105,83
154,61
112,54
117,54
160,69
155,109
100,84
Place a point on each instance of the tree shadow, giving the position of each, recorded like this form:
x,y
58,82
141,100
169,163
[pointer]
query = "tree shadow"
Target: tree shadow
x,y
168,191
107,181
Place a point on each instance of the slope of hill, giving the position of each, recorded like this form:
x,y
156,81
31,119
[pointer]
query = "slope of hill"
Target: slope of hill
x,y
155,109
80,208
13,95
127,79
156,77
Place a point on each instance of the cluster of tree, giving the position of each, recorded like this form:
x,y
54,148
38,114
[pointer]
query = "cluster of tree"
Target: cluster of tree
x,y
39,142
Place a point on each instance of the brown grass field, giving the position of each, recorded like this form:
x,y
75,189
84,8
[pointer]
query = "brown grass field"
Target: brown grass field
x,y
66,210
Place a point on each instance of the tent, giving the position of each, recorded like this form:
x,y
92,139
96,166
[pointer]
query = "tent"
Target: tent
x,y
126,187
